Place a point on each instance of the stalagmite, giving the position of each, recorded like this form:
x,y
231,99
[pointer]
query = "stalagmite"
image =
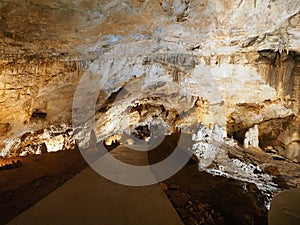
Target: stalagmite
x,y
251,137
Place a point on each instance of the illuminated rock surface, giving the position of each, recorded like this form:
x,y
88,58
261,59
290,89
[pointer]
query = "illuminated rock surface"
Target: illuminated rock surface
x,y
116,66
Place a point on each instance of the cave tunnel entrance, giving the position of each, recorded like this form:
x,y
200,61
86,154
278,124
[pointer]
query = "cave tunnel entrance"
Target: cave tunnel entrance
x,y
142,132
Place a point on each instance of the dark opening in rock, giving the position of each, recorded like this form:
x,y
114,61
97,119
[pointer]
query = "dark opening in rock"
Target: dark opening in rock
x,y
142,132
37,114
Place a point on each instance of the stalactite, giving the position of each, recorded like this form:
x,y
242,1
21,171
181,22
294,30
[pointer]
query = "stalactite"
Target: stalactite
x,y
74,66
77,71
231,61
280,47
207,60
21,69
287,48
45,73
44,69
240,3
175,75
4,83
34,69
19,95
248,58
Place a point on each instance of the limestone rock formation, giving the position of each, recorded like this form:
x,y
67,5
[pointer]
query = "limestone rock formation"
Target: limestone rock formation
x,y
207,50
115,66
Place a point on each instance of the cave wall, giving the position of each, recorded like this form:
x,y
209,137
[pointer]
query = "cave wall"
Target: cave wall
x,y
218,54
212,90
37,93
281,71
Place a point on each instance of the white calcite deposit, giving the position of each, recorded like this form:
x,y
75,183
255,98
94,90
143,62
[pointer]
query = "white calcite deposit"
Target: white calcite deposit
x,y
251,137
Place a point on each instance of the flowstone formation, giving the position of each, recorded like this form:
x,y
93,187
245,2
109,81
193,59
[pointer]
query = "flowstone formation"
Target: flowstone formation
x,y
69,69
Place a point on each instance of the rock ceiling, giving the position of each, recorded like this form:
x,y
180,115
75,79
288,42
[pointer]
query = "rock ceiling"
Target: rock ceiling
x,y
84,28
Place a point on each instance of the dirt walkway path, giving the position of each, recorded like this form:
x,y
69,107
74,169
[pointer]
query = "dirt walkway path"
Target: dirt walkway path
x,y
89,199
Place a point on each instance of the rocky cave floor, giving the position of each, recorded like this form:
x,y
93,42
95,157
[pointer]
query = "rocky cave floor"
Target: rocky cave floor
x,y
198,197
